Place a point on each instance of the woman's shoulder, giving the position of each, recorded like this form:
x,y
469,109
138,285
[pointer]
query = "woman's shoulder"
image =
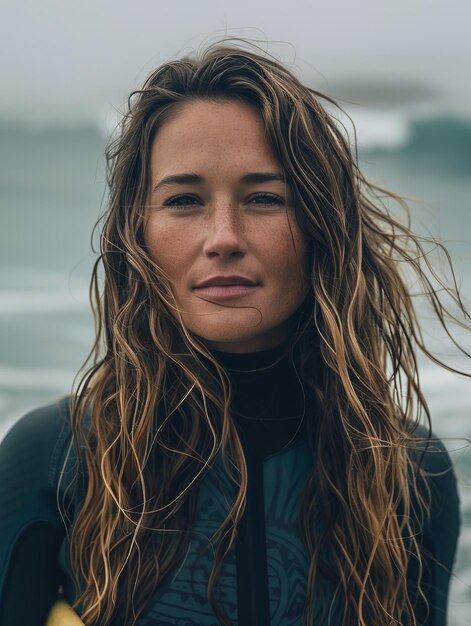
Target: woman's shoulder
x,y
43,422
443,527
50,417
36,443
436,458
32,524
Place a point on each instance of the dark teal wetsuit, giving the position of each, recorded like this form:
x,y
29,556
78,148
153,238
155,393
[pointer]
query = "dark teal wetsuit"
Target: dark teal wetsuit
x,y
264,576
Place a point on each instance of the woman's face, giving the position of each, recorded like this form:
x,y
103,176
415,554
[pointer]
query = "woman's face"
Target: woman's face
x,y
218,208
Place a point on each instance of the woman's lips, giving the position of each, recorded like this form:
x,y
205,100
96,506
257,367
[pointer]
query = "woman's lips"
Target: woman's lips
x,y
226,292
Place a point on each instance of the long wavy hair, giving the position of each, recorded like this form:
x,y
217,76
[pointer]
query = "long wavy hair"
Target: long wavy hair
x,y
159,404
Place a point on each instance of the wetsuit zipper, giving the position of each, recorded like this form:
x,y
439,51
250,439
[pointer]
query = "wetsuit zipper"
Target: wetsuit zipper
x,y
251,551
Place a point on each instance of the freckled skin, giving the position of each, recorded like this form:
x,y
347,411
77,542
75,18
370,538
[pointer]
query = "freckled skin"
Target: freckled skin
x,y
217,227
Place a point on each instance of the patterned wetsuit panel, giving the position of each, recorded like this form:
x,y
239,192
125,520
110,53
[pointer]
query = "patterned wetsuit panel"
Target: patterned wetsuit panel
x,y
183,600
284,477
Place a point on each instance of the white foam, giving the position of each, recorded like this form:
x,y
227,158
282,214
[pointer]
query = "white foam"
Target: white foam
x,y
389,129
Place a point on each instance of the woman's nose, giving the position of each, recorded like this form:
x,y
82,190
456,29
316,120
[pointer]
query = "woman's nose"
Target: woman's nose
x,y
225,234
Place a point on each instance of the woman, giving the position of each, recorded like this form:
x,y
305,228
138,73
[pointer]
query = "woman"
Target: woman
x,y
243,449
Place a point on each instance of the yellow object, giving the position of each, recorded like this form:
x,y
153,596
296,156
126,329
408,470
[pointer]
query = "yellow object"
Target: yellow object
x,y
62,614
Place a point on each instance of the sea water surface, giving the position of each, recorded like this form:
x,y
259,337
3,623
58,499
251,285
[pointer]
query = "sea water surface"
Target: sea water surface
x,y
52,186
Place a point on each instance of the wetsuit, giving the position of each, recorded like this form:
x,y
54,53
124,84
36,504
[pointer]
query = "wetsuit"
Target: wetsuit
x,y
263,578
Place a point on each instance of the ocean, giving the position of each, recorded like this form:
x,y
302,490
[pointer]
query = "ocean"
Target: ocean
x,y
52,190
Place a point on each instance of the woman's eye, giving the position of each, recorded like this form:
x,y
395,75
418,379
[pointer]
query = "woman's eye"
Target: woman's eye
x,y
266,198
181,201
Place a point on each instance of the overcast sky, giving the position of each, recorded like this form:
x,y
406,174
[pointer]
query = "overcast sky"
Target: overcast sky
x,y
67,60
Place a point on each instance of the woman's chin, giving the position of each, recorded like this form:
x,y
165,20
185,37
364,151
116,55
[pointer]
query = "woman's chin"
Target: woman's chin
x,y
234,341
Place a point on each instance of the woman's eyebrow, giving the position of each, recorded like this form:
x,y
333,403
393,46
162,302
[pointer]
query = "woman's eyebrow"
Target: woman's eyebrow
x,y
193,179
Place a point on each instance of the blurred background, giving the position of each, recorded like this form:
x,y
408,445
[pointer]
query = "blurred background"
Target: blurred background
x,y
399,69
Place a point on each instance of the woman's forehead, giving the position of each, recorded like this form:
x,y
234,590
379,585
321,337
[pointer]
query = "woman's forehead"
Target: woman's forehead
x,y
220,137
